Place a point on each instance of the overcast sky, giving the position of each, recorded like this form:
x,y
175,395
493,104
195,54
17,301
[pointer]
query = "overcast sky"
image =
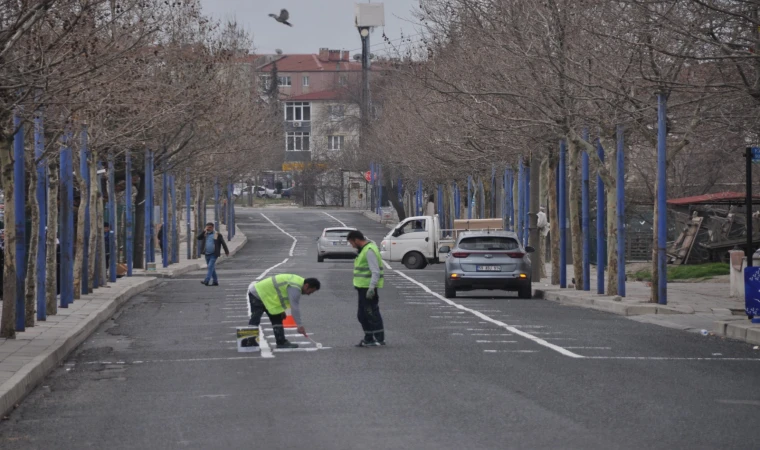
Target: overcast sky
x,y
316,23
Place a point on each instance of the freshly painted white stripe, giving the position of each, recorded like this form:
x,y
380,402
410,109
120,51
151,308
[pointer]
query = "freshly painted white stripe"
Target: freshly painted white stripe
x,y
591,348
511,329
300,349
266,351
335,219
496,342
510,351
295,241
667,358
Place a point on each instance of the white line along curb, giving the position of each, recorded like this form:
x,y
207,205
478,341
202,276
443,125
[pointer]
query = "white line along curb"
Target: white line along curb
x,y
514,330
295,241
335,219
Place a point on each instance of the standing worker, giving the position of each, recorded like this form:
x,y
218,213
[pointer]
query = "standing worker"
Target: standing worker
x,y
273,296
211,244
368,278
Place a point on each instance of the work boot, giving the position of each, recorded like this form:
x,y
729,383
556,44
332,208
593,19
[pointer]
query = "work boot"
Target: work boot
x,y
366,343
279,337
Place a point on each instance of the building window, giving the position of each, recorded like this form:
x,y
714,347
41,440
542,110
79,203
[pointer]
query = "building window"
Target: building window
x,y
283,81
335,142
305,81
336,112
298,111
343,80
264,81
297,141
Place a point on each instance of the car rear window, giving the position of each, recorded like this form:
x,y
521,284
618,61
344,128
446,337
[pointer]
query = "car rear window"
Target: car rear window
x,y
336,233
488,243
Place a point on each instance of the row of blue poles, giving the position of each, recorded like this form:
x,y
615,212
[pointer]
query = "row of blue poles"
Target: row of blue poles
x,y
585,215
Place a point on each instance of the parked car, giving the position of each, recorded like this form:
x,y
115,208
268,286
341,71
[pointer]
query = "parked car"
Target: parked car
x,y
287,193
488,260
333,244
262,192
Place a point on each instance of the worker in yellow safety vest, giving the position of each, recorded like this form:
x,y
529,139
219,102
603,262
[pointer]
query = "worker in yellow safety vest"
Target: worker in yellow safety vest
x,y
368,278
273,295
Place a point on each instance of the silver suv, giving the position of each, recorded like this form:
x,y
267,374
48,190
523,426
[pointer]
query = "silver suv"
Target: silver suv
x,y
488,260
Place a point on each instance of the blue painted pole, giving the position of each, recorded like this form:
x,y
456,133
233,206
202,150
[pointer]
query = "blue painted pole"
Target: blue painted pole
x,y
441,211
520,198
67,223
469,197
85,200
165,219
526,206
112,220
229,211
96,281
129,215
562,215
662,189
511,199
493,191
482,198
42,188
19,206
175,238
504,202
153,217
147,208
601,208
621,209
585,212
400,192
379,190
421,202
216,203
188,199
507,198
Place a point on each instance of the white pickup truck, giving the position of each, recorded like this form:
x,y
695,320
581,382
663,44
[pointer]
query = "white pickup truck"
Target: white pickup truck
x,y
416,241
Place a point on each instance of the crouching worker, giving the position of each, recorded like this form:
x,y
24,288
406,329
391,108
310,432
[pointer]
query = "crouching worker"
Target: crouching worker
x,y
273,295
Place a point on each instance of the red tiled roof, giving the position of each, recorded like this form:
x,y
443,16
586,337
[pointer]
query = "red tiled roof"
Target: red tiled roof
x,y
321,95
721,198
310,63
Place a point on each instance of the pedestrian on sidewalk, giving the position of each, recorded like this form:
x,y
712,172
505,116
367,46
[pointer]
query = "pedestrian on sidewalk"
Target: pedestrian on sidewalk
x,y
211,247
275,294
368,278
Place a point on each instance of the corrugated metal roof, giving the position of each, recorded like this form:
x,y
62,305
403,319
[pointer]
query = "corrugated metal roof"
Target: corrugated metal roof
x,y
720,198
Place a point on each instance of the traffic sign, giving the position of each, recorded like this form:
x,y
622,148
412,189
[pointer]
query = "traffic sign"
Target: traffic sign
x,y
368,176
756,155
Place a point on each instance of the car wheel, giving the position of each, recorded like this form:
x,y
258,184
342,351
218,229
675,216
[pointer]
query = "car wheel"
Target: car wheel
x,y
525,292
414,261
449,291
320,258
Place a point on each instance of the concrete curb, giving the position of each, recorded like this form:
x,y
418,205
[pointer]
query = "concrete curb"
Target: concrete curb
x,y
25,380
740,329
610,305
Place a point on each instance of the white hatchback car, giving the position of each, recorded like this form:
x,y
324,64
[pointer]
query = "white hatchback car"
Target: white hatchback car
x,y
333,244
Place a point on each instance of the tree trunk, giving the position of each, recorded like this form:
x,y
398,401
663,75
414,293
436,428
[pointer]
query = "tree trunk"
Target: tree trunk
x,y
99,232
8,325
79,271
93,244
51,261
31,271
554,217
542,193
576,234
139,221
612,259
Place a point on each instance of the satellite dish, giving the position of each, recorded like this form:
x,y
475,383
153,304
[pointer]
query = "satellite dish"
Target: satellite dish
x,y
278,51
357,57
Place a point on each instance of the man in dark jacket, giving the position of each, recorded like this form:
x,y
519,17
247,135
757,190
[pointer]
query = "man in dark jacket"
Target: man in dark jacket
x,y
211,246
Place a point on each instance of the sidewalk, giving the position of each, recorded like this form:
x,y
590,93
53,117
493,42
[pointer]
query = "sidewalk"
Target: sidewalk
x,y
28,359
190,265
691,306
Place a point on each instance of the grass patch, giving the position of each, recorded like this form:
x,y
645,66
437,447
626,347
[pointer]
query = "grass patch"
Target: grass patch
x,y
687,272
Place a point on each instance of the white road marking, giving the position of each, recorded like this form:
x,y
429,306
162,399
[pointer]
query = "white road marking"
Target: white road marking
x,y
591,348
509,328
496,342
335,219
668,358
266,351
295,241
510,351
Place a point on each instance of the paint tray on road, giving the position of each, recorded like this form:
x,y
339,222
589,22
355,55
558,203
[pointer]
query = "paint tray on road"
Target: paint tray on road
x,y
248,339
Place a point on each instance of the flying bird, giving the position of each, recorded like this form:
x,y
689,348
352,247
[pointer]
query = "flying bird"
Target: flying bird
x,y
283,17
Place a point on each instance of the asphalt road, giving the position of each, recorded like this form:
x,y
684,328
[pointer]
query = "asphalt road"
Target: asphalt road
x,y
481,372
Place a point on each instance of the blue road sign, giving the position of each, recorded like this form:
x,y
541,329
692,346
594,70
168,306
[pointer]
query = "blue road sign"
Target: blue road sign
x,y
752,291
756,155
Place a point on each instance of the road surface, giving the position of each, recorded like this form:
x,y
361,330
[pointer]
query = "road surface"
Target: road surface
x,y
479,372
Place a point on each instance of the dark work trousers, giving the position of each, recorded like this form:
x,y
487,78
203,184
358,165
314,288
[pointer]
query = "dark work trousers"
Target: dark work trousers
x,y
369,316
258,309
